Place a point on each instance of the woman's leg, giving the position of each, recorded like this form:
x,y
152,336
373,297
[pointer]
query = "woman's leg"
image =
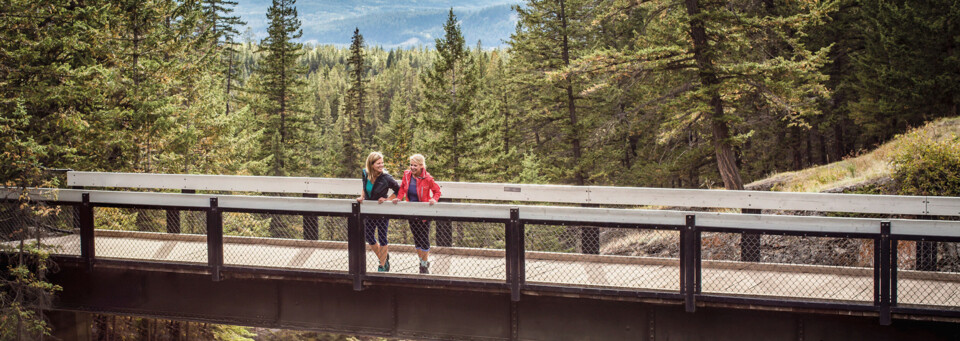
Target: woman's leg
x,y
421,238
382,229
369,233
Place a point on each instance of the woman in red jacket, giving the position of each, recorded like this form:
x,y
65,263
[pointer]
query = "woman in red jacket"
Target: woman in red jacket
x,y
418,186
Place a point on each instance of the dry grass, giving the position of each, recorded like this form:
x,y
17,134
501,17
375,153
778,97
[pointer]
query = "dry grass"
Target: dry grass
x,y
868,167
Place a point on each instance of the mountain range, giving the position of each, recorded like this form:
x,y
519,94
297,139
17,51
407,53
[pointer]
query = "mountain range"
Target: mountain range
x,y
389,24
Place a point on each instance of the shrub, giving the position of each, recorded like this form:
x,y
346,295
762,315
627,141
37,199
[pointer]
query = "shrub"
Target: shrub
x,y
928,167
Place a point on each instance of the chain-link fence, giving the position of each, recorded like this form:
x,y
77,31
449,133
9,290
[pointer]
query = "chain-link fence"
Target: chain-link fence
x,y
928,273
822,268
448,247
53,227
625,257
285,240
150,234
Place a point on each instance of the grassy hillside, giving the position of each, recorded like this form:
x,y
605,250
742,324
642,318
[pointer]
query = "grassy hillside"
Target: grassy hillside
x,y
867,169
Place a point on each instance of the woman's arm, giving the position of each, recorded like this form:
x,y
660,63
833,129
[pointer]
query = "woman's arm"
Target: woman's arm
x,y
436,192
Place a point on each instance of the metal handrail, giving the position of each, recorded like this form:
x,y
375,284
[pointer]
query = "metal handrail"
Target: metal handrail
x,y
604,195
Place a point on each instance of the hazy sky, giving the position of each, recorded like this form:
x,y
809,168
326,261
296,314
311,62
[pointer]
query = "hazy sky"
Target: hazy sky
x,y
388,23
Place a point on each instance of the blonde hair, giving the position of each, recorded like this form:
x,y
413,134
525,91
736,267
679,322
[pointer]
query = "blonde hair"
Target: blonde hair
x,y
419,159
371,159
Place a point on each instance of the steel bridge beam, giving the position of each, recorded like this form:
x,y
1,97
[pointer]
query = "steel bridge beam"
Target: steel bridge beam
x,y
410,311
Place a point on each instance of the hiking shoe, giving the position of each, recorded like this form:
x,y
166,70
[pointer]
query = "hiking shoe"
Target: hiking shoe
x,y
424,267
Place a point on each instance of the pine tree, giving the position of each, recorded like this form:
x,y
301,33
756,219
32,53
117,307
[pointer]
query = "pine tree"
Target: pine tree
x,y
356,131
218,14
713,66
908,71
281,83
449,89
549,37
496,121
51,85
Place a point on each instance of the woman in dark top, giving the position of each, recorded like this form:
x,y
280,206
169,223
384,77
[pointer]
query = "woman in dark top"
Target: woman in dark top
x,y
418,186
376,183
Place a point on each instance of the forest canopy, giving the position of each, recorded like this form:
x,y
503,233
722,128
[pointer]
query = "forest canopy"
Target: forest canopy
x,y
653,93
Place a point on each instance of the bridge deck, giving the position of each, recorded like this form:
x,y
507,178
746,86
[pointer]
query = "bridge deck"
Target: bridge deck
x,y
822,283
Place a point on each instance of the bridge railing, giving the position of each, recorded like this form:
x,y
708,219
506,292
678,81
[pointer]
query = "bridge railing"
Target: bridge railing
x,y
849,264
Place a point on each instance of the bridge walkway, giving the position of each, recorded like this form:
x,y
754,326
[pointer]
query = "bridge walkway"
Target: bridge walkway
x,y
770,280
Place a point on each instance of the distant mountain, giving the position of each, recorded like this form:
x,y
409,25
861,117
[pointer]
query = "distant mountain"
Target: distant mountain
x,y
390,23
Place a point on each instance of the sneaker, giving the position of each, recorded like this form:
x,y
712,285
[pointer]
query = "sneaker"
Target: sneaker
x,y
386,265
424,267
380,268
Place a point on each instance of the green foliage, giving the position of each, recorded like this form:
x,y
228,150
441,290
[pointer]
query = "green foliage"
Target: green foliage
x,y
24,292
928,167
550,36
287,132
448,108
355,131
908,71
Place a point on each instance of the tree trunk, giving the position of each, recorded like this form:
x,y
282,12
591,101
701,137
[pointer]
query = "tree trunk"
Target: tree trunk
x,y
726,160
571,106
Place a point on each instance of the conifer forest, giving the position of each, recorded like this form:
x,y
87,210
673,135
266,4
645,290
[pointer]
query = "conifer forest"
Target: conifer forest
x,y
692,94
649,93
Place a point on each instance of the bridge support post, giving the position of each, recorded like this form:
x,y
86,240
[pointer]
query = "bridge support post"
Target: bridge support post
x,y
215,238
589,237
173,216
927,252
356,247
87,246
444,229
690,263
515,251
885,273
311,229
750,242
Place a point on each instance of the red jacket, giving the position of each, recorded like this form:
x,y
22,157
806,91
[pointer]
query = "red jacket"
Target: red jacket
x,y
426,188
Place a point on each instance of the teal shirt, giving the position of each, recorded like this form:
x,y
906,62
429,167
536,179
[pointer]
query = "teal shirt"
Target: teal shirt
x,y
369,187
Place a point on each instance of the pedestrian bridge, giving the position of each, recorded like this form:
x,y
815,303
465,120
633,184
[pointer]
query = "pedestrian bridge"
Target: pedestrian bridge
x,y
509,261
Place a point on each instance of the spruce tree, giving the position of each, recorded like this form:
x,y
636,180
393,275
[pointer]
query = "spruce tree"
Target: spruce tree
x,y
550,35
449,89
713,67
281,84
355,131
908,71
51,82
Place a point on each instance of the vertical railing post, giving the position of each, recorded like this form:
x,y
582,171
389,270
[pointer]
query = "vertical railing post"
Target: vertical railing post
x,y
750,241
444,233
173,216
311,229
689,245
75,221
589,237
927,251
215,238
514,250
173,220
87,244
355,246
894,260
885,273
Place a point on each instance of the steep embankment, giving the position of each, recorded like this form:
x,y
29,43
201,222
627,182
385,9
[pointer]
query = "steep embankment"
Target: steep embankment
x,y
869,169
868,172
